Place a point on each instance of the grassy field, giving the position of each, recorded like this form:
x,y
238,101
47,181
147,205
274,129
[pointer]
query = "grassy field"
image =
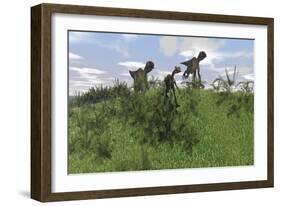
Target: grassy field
x,y
119,130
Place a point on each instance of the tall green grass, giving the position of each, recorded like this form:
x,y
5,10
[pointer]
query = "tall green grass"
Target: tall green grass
x,y
125,131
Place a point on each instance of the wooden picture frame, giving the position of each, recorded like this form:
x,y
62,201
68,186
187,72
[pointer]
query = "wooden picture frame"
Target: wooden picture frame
x,y
41,116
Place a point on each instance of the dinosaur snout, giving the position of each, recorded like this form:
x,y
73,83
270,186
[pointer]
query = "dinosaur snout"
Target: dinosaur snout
x,y
177,69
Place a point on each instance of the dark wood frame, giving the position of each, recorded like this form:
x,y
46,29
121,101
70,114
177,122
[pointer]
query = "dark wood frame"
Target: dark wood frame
x,y
41,101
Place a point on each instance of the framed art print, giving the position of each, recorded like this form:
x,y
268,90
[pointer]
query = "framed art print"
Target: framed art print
x,y
130,102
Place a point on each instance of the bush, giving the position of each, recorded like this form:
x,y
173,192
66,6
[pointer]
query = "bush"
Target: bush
x,y
87,127
236,102
159,117
98,94
144,131
115,129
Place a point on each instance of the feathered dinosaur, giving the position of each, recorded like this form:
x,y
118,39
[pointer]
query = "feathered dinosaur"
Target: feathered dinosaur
x,y
170,83
140,76
193,66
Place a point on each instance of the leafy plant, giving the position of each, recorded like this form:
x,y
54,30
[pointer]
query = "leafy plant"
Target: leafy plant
x,y
227,85
246,86
116,129
98,94
160,118
154,83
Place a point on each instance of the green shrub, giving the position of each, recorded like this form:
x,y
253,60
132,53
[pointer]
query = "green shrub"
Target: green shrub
x,y
125,131
160,119
235,102
102,93
87,127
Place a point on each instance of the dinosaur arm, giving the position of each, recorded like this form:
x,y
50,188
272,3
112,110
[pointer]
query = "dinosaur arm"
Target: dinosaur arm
x,y
189,62
186,72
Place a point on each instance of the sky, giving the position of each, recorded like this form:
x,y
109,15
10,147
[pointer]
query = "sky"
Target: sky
x,y
98,58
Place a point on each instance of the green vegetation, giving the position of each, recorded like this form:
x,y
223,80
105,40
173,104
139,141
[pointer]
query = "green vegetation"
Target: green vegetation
x,y
116,129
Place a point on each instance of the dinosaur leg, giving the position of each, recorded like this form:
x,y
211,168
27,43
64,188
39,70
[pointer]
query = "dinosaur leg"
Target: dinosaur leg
x,y
199,75
185,74
198,72
193,79
193,76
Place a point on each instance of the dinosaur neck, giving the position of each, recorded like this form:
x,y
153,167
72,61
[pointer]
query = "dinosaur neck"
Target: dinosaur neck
x,y
147,70
173,74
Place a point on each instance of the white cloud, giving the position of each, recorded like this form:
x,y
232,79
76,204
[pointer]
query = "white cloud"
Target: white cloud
x,y
230,73
125,74
238,54
78,37
131,64
119,48
130,37
209,60
73,56
242,73
89,38
250,77
217,69
159,74
168,45
87,70
191,47
188,54
83,78
240,70
197,44
77,83
213,55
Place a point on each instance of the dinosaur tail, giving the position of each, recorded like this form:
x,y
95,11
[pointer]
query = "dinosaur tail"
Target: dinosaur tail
x,y
132,74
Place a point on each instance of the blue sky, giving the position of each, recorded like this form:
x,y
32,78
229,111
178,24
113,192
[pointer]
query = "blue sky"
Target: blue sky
x,y
97,58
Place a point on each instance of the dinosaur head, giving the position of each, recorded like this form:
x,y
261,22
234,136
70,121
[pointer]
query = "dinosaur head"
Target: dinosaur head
x,y
149,66
177,69
202,55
